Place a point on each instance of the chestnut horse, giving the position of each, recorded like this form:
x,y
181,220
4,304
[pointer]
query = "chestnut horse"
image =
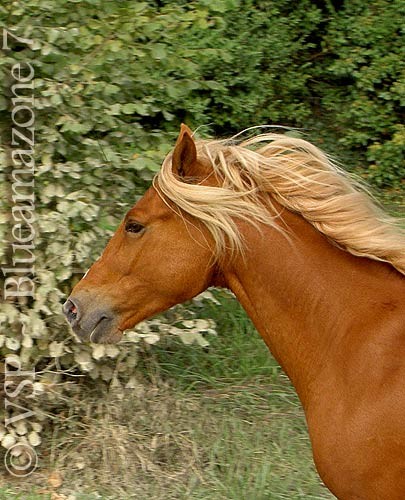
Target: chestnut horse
x,y
315,263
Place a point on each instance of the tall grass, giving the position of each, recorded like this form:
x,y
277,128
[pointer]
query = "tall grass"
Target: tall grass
x,y
255,436
238,353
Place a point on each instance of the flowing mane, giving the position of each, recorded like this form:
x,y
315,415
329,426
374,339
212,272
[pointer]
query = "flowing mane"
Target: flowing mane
x,y
296,174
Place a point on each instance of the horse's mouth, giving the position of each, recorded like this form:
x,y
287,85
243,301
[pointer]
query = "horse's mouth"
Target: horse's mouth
x,y
104,332
99,335
112,337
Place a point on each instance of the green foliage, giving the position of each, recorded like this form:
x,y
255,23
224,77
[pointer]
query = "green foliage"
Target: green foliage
x,y
254,57
363,85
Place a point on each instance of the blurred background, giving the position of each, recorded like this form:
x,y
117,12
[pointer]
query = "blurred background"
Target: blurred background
x,y
190,404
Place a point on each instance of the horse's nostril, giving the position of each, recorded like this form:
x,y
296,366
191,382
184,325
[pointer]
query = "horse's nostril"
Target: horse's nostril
x,y
71,311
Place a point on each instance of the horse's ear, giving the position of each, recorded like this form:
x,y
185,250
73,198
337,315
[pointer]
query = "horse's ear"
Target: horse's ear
x,y
185,152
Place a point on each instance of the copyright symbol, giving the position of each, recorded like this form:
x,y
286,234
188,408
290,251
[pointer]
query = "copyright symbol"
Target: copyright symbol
x,y
20,460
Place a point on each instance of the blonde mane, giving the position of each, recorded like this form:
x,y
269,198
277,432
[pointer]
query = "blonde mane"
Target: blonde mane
x,y
296,174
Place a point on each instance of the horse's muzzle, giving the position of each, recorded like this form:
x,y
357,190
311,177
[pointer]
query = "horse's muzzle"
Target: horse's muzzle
x,y
96,325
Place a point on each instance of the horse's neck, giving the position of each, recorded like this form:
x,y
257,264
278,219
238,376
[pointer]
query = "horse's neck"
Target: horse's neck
x,y
305,297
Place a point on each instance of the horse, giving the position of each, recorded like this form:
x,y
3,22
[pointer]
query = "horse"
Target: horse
x,y
315,262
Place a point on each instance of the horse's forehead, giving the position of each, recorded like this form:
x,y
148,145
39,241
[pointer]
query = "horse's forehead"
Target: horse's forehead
x,y
150,204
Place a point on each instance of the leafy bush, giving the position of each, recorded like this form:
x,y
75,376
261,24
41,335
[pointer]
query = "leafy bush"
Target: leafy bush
x,y
363,86
98,88
256,54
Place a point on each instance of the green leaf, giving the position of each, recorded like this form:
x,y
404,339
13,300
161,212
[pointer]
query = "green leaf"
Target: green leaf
x,y
158,51
128,108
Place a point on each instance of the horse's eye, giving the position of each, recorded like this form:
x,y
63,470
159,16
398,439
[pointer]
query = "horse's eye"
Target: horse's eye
x,y
133,227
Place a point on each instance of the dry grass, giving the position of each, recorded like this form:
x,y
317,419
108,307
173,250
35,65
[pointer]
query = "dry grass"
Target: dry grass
x,y
241,441
128,447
